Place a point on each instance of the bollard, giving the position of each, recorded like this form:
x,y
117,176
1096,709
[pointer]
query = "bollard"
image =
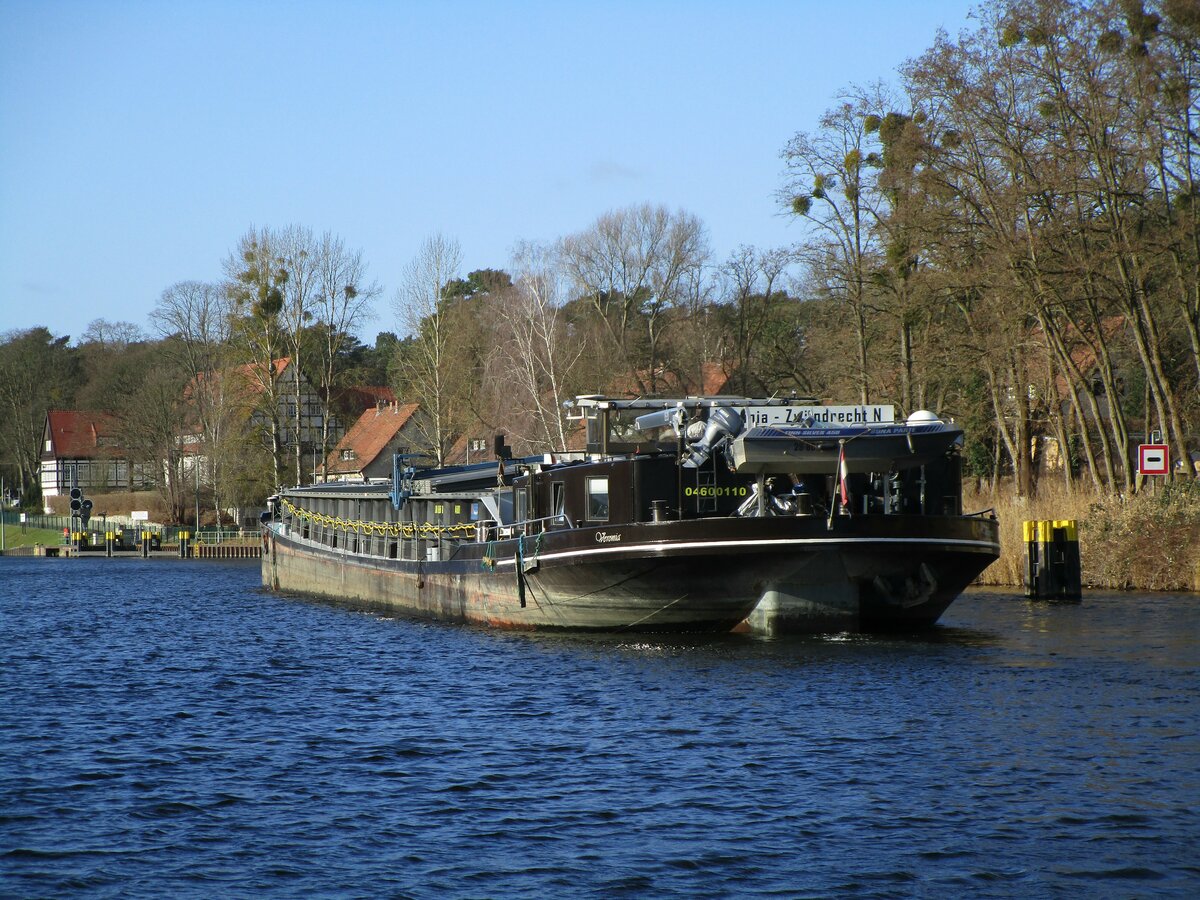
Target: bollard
x,y
1052,563
1029,532
108,544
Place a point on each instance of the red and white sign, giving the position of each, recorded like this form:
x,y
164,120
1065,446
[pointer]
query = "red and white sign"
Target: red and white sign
x,y
1153,459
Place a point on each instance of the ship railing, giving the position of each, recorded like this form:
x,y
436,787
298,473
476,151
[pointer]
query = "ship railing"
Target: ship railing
x,y
989,513
533,526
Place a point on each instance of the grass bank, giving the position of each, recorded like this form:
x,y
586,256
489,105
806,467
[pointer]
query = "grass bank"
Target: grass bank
x,y
14,537
1149,542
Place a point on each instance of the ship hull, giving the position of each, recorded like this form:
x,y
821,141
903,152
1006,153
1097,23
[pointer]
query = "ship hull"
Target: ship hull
x,y
769,575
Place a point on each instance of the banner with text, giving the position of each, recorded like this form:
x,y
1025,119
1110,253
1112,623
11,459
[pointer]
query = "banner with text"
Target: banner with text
x,y
820,416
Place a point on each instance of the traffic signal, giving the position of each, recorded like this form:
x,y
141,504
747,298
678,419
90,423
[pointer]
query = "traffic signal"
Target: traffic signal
x,y
85,510
76,500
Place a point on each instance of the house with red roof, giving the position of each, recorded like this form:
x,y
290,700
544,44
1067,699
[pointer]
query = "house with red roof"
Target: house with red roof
x,y
83,449
365,451
360,398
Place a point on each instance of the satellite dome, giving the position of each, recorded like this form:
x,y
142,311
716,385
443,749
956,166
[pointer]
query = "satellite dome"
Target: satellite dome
x,y
923,417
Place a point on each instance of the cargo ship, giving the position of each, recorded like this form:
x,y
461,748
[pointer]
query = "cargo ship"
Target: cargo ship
x,y
695,514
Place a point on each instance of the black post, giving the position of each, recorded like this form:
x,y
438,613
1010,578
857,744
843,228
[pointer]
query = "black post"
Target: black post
x,y
1052,562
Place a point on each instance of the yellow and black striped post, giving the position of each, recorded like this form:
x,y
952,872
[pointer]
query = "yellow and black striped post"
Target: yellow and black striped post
x,y
1052,564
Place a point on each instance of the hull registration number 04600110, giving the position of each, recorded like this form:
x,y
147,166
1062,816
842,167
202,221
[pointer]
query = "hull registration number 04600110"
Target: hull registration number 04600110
x,y
734,490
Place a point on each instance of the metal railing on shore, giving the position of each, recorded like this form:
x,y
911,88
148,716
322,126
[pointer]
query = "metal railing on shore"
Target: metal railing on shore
x,y
123,536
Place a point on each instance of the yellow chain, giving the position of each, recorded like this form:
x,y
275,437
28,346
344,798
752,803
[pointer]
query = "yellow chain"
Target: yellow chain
x,y
394,529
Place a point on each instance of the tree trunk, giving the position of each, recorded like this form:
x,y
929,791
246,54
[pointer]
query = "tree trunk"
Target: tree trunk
x,y
906,366
860,325
1074,379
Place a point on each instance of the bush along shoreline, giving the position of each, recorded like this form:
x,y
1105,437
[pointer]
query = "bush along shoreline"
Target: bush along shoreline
x,y
1146,542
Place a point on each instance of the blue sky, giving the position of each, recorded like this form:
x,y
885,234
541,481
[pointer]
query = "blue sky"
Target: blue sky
x,y
140,140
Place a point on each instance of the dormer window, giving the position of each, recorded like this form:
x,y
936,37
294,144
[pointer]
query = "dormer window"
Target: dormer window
x,y
348,455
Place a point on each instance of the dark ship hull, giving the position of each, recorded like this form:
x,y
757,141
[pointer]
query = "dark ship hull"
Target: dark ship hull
x,y
657,562
769,574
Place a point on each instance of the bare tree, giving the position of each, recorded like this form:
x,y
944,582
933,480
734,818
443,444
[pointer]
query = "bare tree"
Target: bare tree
x,y
299,256
538,358
830,183
344,299
426,369
112,335
257,275
153,415
753,280
196,319
634,264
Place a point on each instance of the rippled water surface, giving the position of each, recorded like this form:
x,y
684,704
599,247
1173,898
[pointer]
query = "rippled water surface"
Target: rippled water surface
x,y
167,729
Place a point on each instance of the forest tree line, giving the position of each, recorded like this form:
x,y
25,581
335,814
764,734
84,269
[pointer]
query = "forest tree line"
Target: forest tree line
x,y
1006,233
1010,231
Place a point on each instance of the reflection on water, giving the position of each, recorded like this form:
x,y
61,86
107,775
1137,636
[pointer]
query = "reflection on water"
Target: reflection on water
x,y
172,730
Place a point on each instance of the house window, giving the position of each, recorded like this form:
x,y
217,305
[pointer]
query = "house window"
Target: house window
x,y
597,499
348,454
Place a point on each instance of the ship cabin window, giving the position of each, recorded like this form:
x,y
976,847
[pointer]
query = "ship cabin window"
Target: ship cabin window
x,y
616,432
520,513
558,500
597,499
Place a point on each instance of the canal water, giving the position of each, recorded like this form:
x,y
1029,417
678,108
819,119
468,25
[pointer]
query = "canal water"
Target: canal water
x,y
168,729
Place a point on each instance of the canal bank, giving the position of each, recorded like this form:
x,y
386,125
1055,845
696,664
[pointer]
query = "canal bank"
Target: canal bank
x,y
1146,542
27,535
227,550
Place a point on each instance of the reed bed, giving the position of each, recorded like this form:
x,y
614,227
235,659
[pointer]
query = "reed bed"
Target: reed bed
x,y
1149,541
